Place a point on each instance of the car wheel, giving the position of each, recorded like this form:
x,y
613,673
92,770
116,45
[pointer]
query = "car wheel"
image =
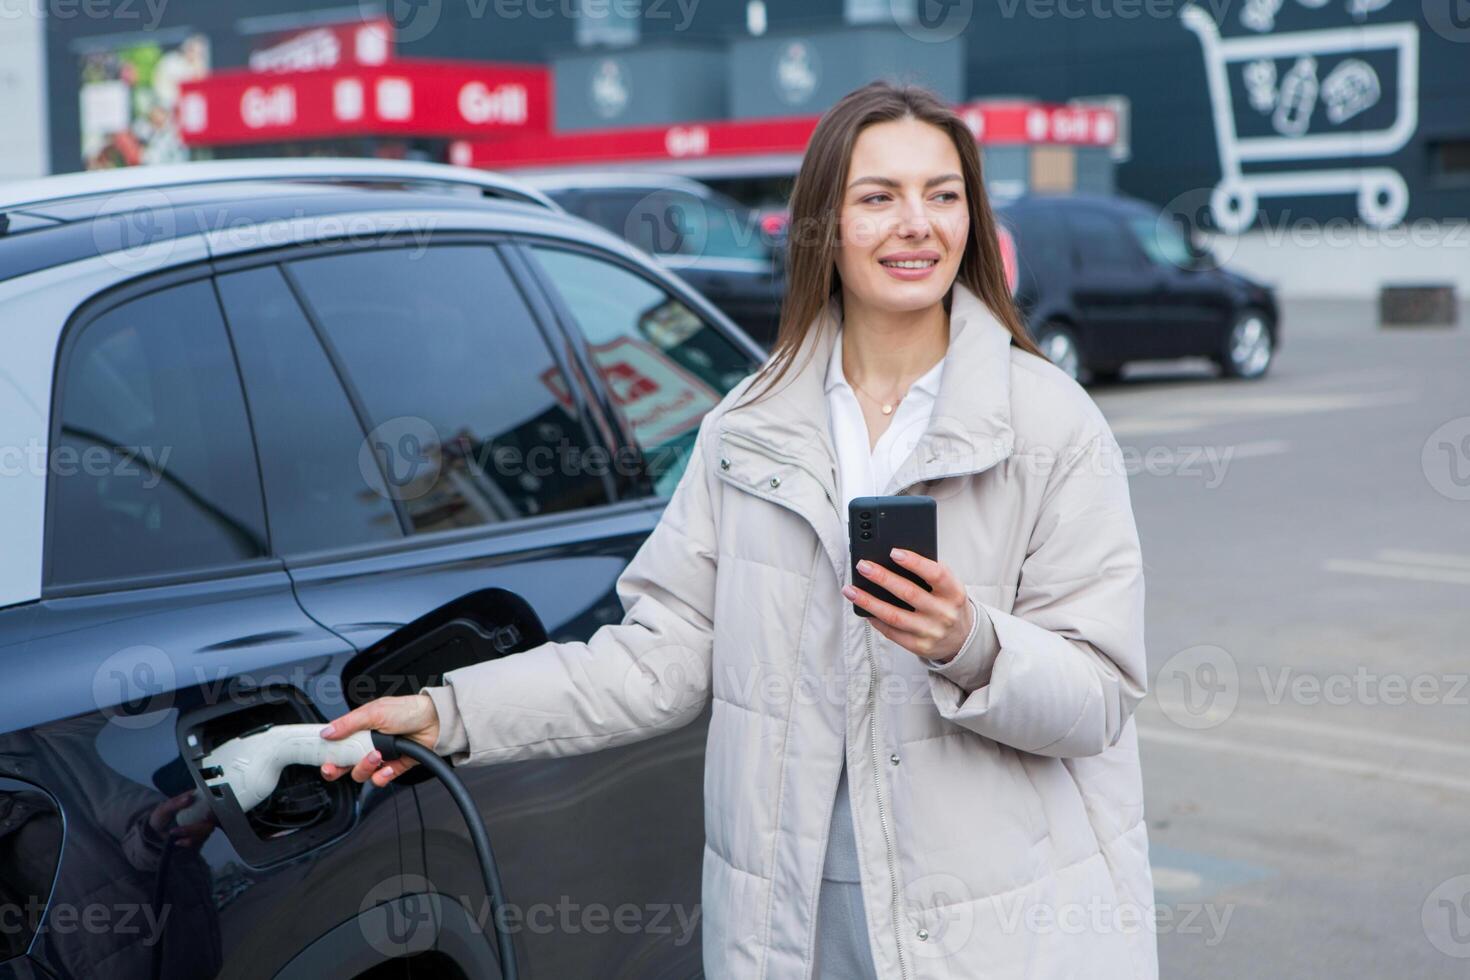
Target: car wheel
x,y
1060,346
1249,346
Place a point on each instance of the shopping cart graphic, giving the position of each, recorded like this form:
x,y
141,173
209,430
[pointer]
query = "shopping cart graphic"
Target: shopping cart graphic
x,y
1297,99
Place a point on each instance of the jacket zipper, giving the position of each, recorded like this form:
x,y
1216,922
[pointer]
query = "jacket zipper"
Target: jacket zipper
x,y
872,705
878,791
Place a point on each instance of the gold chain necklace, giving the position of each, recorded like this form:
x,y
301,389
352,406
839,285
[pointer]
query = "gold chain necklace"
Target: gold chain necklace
x,y
887,407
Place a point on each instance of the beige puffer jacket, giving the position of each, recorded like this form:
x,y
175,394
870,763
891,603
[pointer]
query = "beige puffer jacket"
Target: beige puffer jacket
x,y
997,805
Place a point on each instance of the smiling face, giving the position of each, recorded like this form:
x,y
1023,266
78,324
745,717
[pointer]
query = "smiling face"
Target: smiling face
x,y
905,217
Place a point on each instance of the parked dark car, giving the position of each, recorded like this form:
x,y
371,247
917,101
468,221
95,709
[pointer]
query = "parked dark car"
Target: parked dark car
x,y
1109,280
730,253
268,414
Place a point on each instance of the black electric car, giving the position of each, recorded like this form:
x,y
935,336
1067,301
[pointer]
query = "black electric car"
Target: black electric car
x,y
257,420
1106,280
732,254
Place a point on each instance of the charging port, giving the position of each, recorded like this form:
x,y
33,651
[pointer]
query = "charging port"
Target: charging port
x,y
303,813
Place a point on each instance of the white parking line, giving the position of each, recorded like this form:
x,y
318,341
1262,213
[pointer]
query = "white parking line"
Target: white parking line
x,y
1265,447
1425,558
1220,409
1163,456
1414,566
1335,733
1315,760
1140,424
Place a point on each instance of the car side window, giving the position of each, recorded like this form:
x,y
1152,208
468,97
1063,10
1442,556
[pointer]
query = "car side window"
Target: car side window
x,y
323,488
472,422
613,210
154,471
1162,241
664,365
1100,242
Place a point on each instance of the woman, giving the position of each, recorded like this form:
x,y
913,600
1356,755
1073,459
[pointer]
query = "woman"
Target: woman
x,y
948,792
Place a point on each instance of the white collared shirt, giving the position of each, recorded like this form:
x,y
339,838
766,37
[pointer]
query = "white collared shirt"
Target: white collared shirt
x,y
863,472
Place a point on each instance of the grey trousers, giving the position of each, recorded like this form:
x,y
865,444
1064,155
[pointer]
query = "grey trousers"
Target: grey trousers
x,y
842,951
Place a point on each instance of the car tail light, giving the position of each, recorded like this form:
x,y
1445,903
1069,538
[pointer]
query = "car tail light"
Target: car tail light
x,y
1008,256
774,223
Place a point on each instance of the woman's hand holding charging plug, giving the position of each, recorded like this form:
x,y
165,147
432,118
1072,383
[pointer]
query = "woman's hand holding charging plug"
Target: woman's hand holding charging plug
x,y
941,620
413,716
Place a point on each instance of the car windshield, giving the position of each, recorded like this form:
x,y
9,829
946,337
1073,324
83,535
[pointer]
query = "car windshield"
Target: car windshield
x,y
1162,240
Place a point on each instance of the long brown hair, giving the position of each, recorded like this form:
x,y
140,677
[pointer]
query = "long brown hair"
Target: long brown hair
x,y
816,200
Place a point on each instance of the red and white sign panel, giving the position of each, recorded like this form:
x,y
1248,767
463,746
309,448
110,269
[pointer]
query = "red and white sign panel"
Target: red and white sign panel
x,y
993,124
998,123
418,98
703,139
321,46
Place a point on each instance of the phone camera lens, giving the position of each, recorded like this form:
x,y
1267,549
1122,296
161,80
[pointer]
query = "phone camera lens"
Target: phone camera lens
x,y
866,535
865,514
866,525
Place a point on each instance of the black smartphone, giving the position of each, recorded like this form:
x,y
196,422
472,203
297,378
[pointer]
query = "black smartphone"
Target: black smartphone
x,y
877,525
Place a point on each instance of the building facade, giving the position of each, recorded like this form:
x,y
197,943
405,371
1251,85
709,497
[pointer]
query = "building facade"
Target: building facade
x,y
1253,115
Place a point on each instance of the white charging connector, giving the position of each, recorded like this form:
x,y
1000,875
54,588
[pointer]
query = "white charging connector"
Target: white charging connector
x,y
252,764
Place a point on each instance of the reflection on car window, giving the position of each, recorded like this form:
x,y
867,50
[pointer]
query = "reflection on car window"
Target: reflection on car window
x,y
30,847
664,365
154,471
318,492
473,423
1162,241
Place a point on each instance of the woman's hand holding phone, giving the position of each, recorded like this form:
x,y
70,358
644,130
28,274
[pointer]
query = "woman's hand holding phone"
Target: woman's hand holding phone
x,y
942,618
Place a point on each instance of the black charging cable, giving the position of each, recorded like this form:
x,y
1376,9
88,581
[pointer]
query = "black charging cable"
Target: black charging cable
x,y
393,747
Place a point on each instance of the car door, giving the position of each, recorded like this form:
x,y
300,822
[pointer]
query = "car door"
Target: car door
x,y
1114,289
665,363
486,441
163,606
1192,307
1043,261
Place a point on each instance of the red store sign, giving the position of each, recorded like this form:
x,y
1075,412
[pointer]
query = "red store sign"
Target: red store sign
x,y
700,139
417,98
1039,122
993,123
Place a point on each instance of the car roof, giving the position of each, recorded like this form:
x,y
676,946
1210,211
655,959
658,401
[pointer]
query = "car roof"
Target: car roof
x,y
68,227
26,195
594,180
1116,203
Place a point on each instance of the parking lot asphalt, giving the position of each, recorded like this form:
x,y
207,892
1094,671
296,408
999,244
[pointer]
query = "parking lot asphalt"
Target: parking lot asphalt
x,y
1306,739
